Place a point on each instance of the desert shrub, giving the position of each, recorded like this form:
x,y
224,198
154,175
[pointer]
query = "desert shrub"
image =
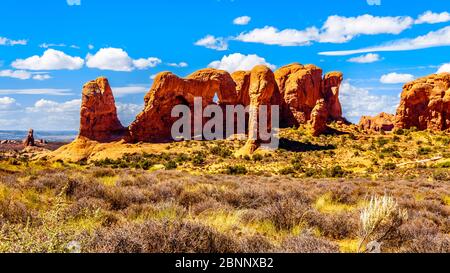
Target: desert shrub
x,y
307,243
257,244
165,237
336,172
121,198
103,172
189,198
287,171
198,159
424,150
236,170
335,226
257,157
345,194
171,165
380,219
286,213
441,176
399,132
382,141
15,212
389,166
221,151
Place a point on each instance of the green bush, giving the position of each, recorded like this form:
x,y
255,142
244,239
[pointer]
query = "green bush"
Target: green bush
x,y
171,165
389,166
257,157
424,151
236,170
287,171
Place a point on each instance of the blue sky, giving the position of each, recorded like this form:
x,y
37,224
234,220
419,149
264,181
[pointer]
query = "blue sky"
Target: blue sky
x,y
48,49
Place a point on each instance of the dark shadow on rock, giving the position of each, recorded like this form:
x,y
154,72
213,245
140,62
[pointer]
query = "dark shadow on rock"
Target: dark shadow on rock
x,y
296,146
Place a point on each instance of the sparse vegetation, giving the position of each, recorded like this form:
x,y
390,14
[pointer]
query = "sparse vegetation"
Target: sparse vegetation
x,y
311,195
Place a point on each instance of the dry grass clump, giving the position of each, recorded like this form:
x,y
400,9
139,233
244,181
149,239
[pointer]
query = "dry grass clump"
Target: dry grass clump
x,y
380,219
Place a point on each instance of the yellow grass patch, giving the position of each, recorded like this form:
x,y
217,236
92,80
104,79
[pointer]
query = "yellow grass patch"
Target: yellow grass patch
x,y
325,204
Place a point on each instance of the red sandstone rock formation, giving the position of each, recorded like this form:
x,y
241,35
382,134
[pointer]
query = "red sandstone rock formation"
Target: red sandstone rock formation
x,y
425,104
301,87
99,119
168,90
331,85
319,117
382,122
296,88
29,140
261,90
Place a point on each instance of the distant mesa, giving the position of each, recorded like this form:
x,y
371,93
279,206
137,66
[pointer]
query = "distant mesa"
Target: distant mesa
x,y
382,122
302,92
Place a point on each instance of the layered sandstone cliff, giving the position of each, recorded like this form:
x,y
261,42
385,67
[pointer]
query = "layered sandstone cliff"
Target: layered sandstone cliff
x,y
425,104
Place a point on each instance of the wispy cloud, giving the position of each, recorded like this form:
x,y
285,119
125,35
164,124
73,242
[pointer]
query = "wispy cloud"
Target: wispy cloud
x,y
41,91
364,59
9,42
74,2
212,42
437,38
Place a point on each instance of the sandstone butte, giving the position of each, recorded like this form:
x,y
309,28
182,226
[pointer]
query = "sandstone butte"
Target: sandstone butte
x,y
303,93
425,104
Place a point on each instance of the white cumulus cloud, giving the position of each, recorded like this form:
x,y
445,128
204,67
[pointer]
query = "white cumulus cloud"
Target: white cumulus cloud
x,y
364,59
272,36
358,102
211,42
430,17
238,61
444,68
395,78
242,21
117,59
50,60
146,63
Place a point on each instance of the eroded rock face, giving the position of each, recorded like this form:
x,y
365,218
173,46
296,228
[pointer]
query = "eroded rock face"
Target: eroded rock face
x,y
382,122
301,87
425,104
99,119
319,118
169,90
331,85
